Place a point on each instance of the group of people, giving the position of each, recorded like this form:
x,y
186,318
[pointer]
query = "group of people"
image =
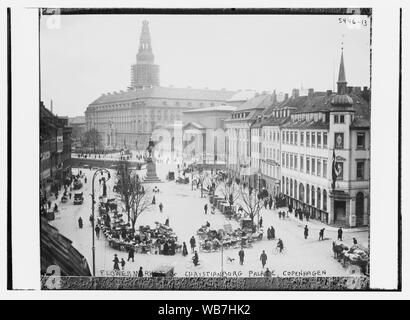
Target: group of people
x,y
283,214
117,264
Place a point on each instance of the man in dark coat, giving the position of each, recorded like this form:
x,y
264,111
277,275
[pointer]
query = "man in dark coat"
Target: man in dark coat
x,y
321,234
206,208
263,258
273,233
193,243
241,256
306,232
116,262
80,222
97,231
340,234
270,202
131,254
140,273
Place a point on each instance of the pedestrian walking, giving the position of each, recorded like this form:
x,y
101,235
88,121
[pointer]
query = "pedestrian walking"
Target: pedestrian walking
x,y
270,202
321,234
263,258
167,222
91,219
140,273
131,254
161,206
153,200
260,222
122,263
85,180
184,250
306,232
273,233
69,194
280,245
206,208
354,241
340,234
55,207
97,231
195,259
268,233
241,256
193,243
116,262
80,222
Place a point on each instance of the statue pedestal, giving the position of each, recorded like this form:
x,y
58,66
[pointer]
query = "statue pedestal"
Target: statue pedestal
x,y
151,176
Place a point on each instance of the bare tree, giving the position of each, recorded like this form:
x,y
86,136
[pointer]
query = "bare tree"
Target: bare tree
x,y
132,192
230,191
251,203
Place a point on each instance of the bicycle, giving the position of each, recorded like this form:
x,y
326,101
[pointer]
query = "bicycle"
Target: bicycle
x,y
277,251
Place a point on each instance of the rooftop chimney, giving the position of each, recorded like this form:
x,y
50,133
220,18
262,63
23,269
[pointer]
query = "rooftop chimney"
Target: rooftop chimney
x,y
311,91
295,93
274,97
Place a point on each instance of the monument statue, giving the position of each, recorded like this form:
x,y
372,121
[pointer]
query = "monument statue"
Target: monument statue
x,y
151,176
150,148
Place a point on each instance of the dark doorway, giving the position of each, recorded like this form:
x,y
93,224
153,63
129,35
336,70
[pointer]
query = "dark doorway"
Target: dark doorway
x,y
340,211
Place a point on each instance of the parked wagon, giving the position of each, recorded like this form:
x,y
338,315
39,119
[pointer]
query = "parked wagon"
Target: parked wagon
x,y
163,271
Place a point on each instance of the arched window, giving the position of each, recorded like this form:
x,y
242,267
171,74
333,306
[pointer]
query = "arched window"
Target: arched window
x,y
307,193
301,192
318,199
313,196
324,200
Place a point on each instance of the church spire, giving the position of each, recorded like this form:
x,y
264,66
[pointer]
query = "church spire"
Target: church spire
x,y
144,73
145,38
341,82
145,54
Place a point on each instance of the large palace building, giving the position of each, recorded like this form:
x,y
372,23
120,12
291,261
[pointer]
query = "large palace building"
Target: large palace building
x,y
127,118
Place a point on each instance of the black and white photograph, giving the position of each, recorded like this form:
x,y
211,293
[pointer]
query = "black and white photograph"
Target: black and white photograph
x,y
203,149
205,146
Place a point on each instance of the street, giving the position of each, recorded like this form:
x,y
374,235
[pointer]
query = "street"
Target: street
x,y
184,209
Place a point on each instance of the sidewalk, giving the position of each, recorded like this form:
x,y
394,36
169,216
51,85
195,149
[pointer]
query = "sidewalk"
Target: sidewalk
x,y
317,225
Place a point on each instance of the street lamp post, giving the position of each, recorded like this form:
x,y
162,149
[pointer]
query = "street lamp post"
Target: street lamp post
x,y
92,211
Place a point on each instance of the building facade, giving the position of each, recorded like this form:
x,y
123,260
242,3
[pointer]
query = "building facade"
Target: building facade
x,y
320,143
128,118
55,150
242,152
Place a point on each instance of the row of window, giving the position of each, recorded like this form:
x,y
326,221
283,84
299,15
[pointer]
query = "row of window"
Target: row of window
x,y
309,165
311,139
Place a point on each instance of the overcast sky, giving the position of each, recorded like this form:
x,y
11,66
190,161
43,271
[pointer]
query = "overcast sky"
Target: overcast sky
x,y
91,55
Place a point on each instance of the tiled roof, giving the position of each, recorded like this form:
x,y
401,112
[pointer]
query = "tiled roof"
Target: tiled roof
x,y
320,102
165,93
259,102
216,108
